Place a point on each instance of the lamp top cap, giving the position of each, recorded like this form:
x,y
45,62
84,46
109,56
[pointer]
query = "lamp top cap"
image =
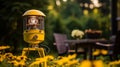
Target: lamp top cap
x,y
34,12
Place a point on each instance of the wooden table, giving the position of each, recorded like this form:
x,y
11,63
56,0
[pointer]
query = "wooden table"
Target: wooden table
x,y
86,43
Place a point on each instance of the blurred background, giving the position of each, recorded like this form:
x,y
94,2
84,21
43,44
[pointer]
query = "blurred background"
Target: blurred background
x,y
62,16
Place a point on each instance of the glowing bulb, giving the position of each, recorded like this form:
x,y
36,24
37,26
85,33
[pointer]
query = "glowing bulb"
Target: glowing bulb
x,y
33,20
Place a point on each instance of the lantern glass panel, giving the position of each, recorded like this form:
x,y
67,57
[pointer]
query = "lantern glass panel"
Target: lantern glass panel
x,y
33,22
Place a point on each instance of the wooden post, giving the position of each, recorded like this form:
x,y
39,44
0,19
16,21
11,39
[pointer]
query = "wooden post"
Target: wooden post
x,y
114,16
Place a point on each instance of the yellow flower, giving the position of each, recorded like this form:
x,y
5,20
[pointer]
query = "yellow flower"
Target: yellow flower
x,y
104,52
98,63
15,63
1,58
21,58
4,47
72,56
60,63
40,59
113,63
35,63
77,33
45,58
72,62
86,63
22,63
50,57
96,52
8,56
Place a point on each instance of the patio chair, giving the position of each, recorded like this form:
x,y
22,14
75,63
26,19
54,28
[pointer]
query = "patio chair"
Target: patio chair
x,y
62,47
109,46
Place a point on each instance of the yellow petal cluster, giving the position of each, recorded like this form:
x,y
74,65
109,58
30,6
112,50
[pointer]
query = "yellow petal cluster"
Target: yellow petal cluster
x,y
97,52
100,51
114,63
66,60
98,63
86,63
104,52
4,47
77,33
73,62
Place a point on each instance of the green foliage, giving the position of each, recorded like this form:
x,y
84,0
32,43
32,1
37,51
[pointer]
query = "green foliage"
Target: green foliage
x,y
12,22
60,19
92,24
71,17
73,25
71,9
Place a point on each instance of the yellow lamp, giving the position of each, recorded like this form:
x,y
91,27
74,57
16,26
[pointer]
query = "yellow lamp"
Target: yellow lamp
x,y
33,33
33,21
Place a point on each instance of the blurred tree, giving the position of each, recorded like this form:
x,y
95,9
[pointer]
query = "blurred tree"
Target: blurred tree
x,y
92,24
62,17
71,8
69,12
104,5
58,28
74,25
11,19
